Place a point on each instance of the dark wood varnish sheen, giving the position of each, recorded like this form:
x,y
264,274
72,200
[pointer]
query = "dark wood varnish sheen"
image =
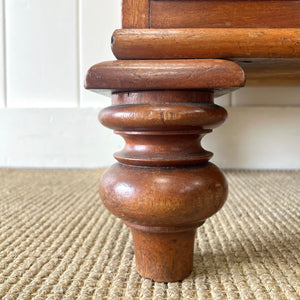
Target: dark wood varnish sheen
x,y
268,56
206,43
164,187
165,74
225,14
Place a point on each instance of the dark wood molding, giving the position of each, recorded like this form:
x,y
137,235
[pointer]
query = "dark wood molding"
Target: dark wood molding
x,y
198,43
268,56
129,75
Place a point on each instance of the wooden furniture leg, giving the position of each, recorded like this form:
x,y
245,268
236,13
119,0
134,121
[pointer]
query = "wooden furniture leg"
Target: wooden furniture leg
x,y
163,186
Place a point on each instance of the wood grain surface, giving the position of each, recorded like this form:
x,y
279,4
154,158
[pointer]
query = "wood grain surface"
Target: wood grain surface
x,y
209,74
271,72
226,14
135,13
206,43
164,187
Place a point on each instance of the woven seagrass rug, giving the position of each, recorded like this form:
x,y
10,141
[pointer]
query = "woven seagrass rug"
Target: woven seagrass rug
x,y
57,241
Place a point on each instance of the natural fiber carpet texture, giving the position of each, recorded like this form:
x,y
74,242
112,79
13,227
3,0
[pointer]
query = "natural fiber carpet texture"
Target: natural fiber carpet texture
x,y
57,241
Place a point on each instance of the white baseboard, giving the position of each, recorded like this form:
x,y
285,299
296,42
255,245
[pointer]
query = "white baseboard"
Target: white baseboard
x,y
257,138
251,138
55,138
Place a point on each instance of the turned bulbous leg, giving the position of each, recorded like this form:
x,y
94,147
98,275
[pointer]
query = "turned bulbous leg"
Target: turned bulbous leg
x,y
163,186
163,206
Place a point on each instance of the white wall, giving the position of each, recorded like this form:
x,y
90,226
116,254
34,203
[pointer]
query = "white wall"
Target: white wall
x,y
47,119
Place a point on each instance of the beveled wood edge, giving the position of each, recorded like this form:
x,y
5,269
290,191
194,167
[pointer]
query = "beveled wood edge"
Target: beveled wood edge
x,y
186,43
221,76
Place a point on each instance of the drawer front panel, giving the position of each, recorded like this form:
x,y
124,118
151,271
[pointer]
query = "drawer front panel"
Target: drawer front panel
x,y
224,14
